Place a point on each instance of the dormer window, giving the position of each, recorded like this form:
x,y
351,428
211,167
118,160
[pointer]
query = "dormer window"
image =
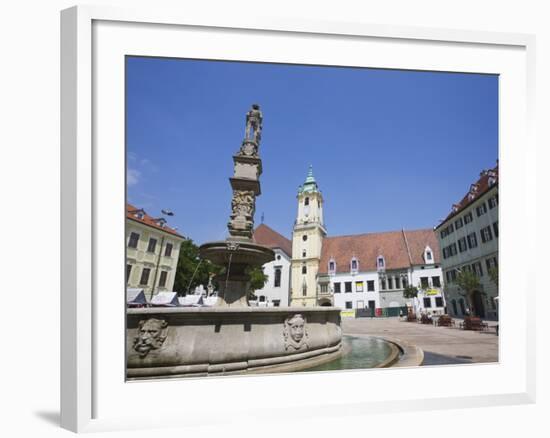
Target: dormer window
x,y
354,265
331,266
161,222
139,214
428,255
492,180
380,263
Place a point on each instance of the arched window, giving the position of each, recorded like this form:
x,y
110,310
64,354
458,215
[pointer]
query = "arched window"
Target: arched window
x,y
304,269
304,237
277,281
304,253
306,201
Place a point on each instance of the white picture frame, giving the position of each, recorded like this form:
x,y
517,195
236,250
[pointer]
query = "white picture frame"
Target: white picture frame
x,y
92,41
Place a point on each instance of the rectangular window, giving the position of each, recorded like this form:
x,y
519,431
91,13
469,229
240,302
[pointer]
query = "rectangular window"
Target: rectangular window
x,y
383,284
397,283
481,209
324,288
495,228
468,218
168,250
133,240
347,286
128,272
277,279
486,234
462,244
424,283
145,276
459,223
337,289
354,265
349,305
390,283
163,278
276,303
438,302
436,281
152,245
427,302
493,202
359,286
491,263
476,267
370,286
472,240
404,282
445,252
452,249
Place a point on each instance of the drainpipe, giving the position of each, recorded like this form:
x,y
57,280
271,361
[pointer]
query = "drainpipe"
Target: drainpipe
x,y
157,267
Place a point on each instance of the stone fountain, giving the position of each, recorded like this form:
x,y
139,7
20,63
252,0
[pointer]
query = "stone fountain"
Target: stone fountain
x,y
232,337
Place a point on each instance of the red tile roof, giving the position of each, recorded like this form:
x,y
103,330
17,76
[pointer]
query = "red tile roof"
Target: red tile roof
x,y
400,250
268,237
148,220
478,189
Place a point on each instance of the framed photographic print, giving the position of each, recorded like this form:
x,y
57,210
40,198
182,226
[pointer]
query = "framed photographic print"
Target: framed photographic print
x,y
258,208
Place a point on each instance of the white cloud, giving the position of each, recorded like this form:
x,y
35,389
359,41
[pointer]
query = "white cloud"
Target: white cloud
x,y
132,177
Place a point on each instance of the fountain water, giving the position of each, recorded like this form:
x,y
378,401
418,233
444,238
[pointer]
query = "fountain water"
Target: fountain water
x,y
231,336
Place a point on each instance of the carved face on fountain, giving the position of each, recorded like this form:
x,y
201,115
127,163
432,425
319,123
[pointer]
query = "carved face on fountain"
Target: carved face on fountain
x,y
295,331
150,336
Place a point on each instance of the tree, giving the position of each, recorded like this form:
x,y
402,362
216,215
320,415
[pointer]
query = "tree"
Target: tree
x,y
192,271
257,280
410,292
469,283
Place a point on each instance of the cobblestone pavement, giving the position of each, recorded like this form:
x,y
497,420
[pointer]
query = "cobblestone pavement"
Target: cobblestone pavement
x,y
441,345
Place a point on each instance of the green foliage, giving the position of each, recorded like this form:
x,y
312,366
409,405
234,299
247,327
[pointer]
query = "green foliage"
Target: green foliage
x,y
410,292
469,283
493,275
257,278
191,272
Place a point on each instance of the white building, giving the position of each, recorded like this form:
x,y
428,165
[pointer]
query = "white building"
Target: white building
x,y
276,292
469,241
360,271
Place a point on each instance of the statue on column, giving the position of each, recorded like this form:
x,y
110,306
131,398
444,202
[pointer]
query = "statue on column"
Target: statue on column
x,y
253,130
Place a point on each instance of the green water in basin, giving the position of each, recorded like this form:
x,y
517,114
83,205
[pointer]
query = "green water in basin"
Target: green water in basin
x,y
364,352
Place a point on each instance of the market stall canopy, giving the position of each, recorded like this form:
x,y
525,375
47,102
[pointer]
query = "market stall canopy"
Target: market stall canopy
x,y
191,300
135,297
165,299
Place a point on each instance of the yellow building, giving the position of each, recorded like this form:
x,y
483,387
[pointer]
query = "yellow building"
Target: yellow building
x,y
152,250
307,241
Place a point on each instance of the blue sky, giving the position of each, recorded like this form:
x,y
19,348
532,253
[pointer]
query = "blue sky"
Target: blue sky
x,y
390,149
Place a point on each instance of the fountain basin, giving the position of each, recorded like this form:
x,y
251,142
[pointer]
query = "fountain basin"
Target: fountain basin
x,y
180,342
238,253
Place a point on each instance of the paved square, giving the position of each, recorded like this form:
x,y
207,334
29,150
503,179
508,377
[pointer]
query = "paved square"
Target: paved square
x,y
441,345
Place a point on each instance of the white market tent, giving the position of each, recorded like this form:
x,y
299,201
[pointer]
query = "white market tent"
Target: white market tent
x,y
210,301
135,297
191,300
165,299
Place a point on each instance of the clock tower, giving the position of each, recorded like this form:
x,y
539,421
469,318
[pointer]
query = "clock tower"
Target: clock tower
x,y
307,242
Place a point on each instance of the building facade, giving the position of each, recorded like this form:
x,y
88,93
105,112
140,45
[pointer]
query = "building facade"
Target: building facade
x,y
276,291
365,271
468,238
152,251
